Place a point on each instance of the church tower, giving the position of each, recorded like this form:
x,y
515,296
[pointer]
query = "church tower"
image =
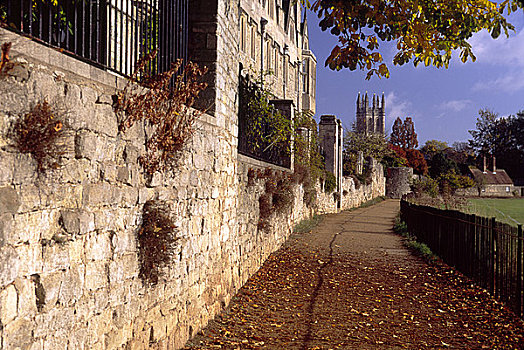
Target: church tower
x,y
371,118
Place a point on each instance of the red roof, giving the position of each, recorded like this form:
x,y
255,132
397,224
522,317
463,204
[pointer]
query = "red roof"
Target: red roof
x,y
500,177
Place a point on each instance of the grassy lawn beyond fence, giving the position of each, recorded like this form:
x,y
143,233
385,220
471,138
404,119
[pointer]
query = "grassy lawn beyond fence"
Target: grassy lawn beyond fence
x,y
508,210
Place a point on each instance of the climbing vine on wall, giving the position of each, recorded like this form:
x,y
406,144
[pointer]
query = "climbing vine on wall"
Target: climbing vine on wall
x,y
309,163
264,132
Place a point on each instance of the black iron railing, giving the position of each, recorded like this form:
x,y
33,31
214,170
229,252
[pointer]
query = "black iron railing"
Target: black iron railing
x,y
110,33
251,144
489,252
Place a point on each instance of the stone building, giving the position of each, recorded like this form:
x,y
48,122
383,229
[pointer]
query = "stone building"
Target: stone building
x,y
253,37
371,116
273,39
492,182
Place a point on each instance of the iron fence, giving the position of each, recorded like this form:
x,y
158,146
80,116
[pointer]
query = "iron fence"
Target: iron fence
x,y
489,252
112,34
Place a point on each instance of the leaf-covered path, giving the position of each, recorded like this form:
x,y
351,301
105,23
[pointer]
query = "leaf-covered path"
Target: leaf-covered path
x,y
351,284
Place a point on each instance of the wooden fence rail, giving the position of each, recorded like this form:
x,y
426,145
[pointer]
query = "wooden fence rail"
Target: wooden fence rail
x,y
489,252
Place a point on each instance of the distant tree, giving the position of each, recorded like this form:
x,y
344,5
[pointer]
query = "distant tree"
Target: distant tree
x,y
410,134
514,159
406,157
416,161
501,137
492,133
440,164
396,157
397,133
516,125
374,145
462,146
403,134
451,181
431,147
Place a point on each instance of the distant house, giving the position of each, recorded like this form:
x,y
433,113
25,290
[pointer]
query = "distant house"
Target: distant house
x,y
494,183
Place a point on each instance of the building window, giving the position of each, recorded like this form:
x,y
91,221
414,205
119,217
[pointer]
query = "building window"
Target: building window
x,y
253,43
243,34
284,69
276,61
305,76
507,188
268,56
297,78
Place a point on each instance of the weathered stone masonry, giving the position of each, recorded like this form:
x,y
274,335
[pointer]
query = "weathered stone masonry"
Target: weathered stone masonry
x,y
68,255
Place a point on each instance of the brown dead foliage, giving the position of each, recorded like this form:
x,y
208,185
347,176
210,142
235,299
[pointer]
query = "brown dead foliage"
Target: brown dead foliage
x,y
163,100
39,133
156,240
307,296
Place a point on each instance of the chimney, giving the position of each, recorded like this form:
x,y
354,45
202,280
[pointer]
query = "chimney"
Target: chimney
x,y
484,169
494,166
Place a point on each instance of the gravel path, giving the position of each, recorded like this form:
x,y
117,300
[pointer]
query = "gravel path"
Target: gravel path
x,y
351,284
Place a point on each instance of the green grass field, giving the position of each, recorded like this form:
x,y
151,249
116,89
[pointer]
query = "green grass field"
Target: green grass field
x,y
509,211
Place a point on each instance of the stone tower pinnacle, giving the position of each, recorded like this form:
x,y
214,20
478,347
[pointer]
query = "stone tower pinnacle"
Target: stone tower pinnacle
x,y
371,118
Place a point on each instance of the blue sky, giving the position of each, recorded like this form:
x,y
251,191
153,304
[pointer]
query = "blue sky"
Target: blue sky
x,y
443,103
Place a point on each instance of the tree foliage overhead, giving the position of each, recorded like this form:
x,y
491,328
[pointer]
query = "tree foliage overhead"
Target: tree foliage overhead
x,y
425,31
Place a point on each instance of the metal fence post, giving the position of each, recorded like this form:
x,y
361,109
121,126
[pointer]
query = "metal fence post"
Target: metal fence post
x,y
520,279
494,256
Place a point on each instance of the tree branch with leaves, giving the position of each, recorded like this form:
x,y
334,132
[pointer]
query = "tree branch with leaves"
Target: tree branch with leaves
x,y
424,31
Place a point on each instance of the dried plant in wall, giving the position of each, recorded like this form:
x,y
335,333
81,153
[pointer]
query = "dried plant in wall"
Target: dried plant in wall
x,y
4,61
163,100
251,177
156,240
39,133
278,195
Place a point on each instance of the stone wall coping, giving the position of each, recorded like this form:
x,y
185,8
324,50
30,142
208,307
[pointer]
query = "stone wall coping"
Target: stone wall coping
x,y
259,164
24,48
74,69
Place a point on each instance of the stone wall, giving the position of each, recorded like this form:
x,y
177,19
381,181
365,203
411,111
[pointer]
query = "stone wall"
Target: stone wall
x,y
68,252
353,192
398,182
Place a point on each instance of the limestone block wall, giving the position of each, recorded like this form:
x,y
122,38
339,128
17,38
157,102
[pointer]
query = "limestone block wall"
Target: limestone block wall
x,y
351,194
68,252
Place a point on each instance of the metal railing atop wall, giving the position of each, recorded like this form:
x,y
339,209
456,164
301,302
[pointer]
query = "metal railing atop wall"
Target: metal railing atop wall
x,y
489,252
113,34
